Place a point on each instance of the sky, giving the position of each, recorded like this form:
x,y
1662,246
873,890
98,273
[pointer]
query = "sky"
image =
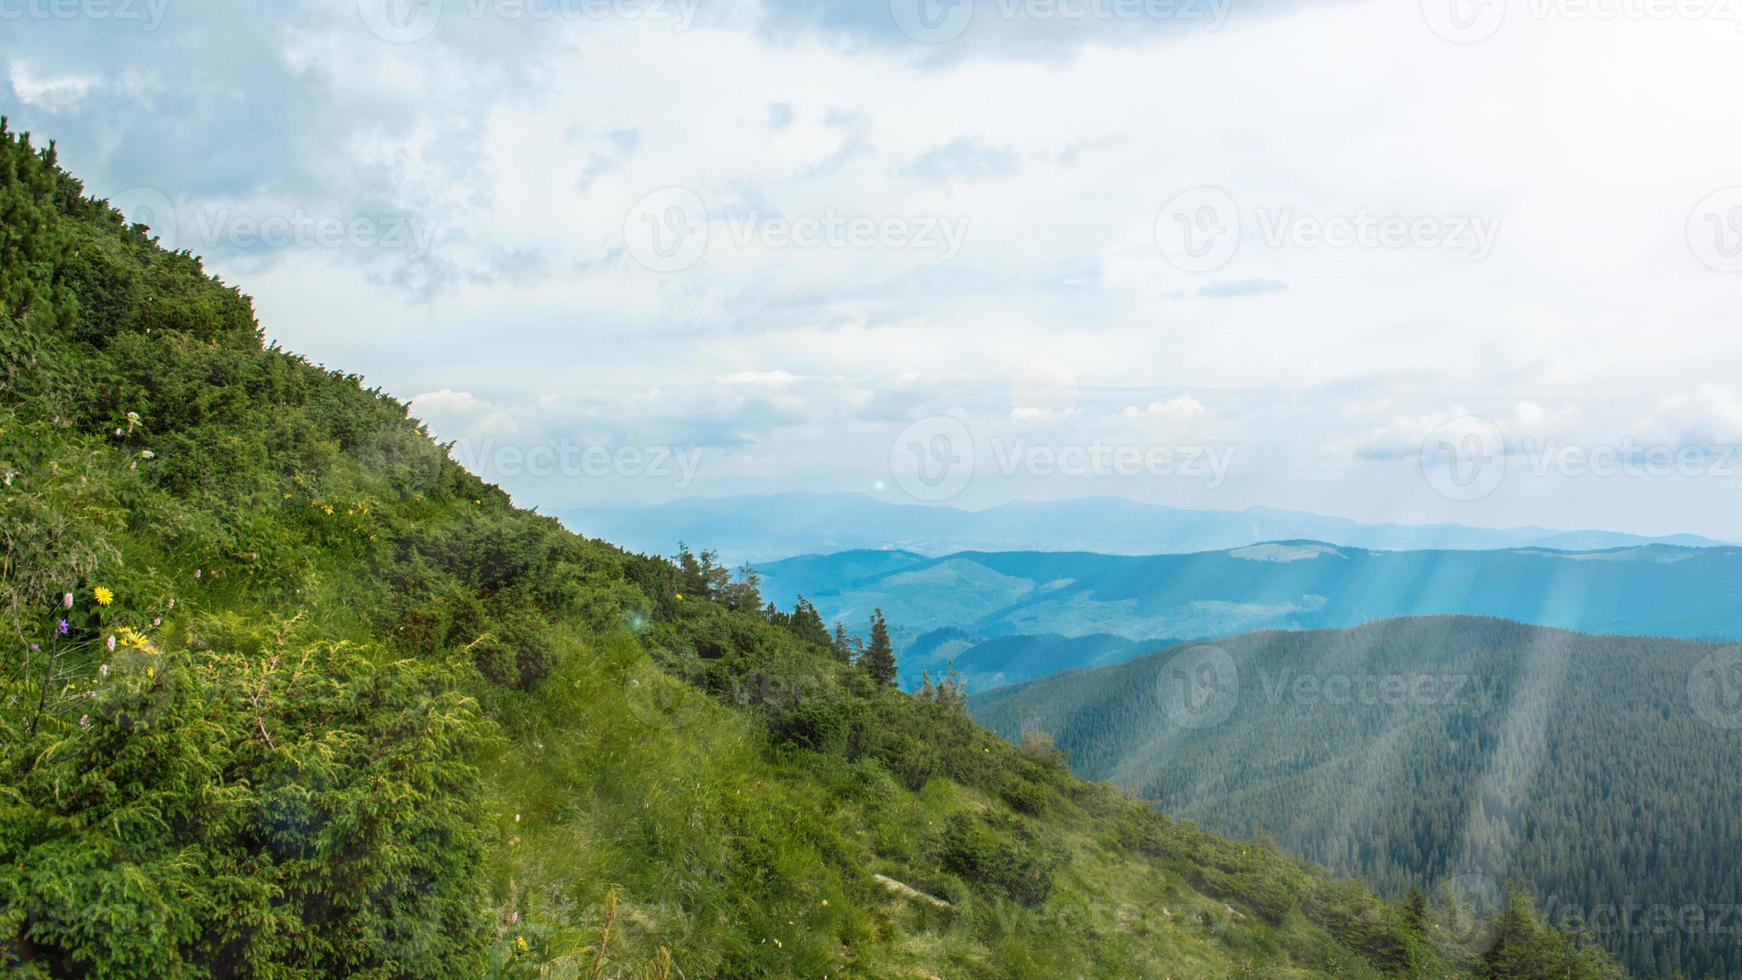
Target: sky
x,y
1448,260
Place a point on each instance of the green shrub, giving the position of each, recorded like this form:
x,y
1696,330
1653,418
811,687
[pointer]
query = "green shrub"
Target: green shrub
x,y
1024,796
1002,860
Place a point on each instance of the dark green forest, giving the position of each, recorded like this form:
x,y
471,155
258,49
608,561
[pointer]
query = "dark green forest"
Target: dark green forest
x,y
1601,771
288,693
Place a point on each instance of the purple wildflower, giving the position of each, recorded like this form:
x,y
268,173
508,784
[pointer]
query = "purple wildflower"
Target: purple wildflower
x,y
36,648
62,628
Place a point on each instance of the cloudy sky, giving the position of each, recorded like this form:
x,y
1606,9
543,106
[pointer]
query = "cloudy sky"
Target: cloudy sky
x,y
1471,260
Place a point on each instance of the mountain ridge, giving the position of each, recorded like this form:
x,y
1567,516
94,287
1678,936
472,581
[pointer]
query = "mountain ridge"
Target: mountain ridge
x,y
763,527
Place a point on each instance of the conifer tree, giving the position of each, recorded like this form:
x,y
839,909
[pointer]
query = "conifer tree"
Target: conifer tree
x,y
878,660
846,645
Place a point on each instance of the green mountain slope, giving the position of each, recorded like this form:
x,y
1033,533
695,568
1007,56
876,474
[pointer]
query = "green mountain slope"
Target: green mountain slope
x,y
287,693
1600,770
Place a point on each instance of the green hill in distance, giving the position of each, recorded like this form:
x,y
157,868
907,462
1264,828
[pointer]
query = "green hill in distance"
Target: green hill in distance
x,y
286,692
1599,770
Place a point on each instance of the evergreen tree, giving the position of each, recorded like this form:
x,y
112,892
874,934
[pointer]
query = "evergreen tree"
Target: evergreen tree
x,y
846,644
745,594
878,660
807,624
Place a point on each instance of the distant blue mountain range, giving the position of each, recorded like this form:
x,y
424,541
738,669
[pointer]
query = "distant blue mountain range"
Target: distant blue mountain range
x,y
1036,609
768,527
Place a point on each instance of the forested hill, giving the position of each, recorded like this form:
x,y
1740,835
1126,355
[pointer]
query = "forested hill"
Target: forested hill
x,y
1659,590
287,693
1599,770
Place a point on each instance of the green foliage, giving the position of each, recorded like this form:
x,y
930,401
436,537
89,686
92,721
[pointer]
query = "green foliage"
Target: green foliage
x,y
878,660
1524,948
1006,858
248,805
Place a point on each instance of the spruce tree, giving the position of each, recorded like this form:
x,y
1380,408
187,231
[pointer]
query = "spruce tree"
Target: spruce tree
x,y
878,660
846,645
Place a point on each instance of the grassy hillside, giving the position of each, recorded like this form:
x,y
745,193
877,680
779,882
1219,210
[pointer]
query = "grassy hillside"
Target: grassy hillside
x,y
288,693
1600,770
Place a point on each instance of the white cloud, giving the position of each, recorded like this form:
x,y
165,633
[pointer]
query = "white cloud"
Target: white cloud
x,y
1521,427
1708,416
525,145
1181,409
50,93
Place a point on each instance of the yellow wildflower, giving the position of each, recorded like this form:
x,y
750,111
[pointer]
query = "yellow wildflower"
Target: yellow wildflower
x,y
327,509
103,595
520,943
